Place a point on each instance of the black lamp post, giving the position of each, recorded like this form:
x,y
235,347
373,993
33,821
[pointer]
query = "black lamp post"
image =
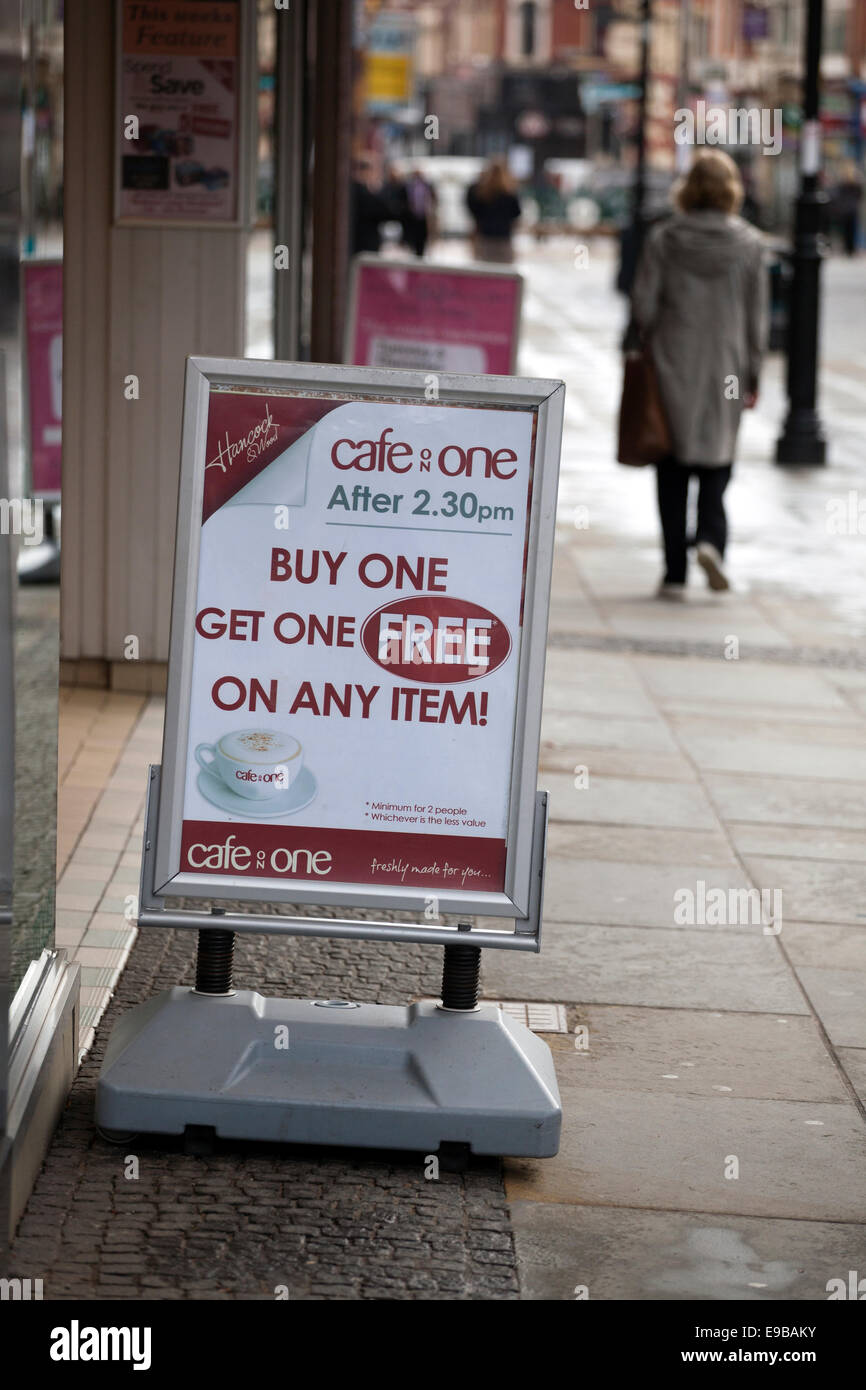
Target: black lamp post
x,y
638,211
633,234
802,440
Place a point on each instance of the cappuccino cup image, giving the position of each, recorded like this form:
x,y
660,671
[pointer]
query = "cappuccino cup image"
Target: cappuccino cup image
x,y
254,763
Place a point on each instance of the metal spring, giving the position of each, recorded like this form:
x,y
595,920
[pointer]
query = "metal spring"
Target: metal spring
x,y
214,961
461,971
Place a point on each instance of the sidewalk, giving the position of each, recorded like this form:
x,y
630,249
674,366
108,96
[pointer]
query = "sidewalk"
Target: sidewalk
x,y
724,743
714,1143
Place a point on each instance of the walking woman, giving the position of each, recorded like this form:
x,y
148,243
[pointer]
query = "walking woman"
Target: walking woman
x,y
700,303
495,209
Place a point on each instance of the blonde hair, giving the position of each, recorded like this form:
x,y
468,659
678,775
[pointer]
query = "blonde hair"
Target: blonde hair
x,y
495,180
713,182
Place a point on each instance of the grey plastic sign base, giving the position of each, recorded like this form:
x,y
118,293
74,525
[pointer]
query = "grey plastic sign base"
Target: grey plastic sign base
x,y
301,1071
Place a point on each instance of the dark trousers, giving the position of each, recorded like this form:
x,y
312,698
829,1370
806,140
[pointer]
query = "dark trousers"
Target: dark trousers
x,y
673,496
415,233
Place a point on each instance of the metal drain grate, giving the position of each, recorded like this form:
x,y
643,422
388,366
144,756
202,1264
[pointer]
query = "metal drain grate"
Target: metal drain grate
x,y
540,1018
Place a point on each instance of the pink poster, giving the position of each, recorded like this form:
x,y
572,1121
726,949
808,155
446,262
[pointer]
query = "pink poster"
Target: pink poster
x,y
43,318
427,317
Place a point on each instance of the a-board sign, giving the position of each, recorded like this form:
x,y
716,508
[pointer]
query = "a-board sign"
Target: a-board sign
x,y
358,633
181,86
419,315
42,295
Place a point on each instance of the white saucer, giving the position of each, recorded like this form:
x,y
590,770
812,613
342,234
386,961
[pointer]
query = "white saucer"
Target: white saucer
x,y
295,798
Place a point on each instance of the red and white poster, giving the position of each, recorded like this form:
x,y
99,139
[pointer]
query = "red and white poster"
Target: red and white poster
x,y
178,111
357,632
43,326
442,319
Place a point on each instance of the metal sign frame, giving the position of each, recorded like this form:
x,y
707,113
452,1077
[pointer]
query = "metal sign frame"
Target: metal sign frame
x,y
416,266
545,400
525,935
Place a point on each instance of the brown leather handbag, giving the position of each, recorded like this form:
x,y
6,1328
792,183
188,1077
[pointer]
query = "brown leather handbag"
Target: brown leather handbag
x,y
644,433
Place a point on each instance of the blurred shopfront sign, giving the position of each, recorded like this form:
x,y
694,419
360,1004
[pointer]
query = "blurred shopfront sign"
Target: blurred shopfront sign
x,y
388,61
433,317
42,294
544,107
756,22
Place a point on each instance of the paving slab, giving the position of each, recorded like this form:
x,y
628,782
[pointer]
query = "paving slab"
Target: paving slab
x,y
806,622
737,683
748,713
787,800
814,890
839,999
858,699
836,730
577,760
639,895
628,703
606,731
846,678
575,614
853,1060
705,617
806,842
638,844
699,1053
610,574
649,966
622,1253
823,944
629,801
734,748
643,1149
584,667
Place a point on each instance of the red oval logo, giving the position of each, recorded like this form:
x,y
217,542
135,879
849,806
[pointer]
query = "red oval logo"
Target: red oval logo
x,y
436,639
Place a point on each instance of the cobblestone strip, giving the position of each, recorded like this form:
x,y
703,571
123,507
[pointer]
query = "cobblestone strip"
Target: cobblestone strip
x,y
839,658
249,1220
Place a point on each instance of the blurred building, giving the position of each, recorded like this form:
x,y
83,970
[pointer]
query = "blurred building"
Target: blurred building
x,y
544,80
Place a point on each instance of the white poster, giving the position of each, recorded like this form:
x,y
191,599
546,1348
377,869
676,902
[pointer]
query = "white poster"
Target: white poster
x,y
357,634
179,113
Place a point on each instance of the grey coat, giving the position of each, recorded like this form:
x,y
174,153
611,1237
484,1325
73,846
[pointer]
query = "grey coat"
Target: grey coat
x,y
700,298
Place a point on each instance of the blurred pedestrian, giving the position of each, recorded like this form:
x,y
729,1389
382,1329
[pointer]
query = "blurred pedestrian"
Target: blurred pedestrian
x,y
368,208
751,209
847,198
495,208
394,192
419,213
700,304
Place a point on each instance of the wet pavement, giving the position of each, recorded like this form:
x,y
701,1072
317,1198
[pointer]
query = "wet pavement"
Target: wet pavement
x,y
714,1072
797,537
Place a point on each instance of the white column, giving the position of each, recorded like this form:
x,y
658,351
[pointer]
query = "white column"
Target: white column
x,y
136,300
